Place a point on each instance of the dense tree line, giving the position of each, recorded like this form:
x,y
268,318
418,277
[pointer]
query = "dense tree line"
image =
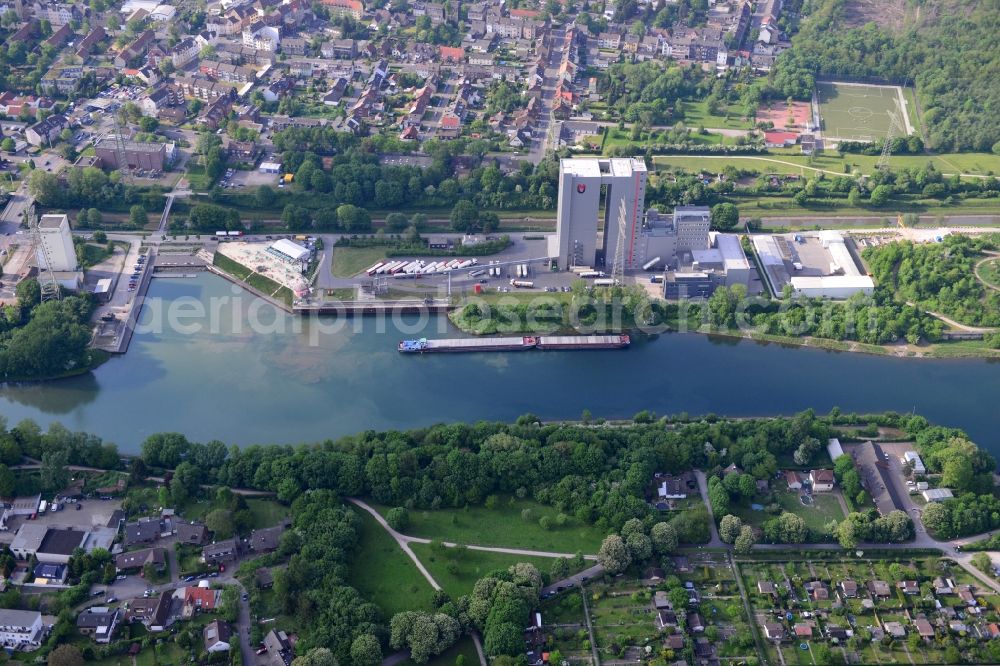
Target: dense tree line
x,y
90,187
875,319
945,56
939,276
962,516
40,340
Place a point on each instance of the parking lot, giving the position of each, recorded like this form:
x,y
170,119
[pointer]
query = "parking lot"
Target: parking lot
x,y
92,513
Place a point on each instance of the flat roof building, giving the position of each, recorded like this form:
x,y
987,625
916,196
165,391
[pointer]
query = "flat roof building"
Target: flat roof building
x,y
937,494
57,250
21,630
138,155
584,183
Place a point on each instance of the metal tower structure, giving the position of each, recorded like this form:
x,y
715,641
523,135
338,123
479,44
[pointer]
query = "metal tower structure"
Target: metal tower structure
x,y
120,148
49,286
618,267
894,125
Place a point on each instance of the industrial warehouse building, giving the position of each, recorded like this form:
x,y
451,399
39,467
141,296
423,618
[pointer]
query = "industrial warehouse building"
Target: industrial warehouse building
x,y
816,265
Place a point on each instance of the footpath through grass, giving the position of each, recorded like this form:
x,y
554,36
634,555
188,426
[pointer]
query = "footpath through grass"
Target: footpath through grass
x,y
383,573
458,569
505,526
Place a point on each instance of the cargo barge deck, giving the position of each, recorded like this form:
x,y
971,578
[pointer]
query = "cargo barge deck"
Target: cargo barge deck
x,y
545,342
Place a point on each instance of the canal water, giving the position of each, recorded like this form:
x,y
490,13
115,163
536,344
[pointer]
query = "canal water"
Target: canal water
x,y
216,364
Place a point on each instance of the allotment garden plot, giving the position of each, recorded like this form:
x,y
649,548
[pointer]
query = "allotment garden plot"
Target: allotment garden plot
x,y
859,112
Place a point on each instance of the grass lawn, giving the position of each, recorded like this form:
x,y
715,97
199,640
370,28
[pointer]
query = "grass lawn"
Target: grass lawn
x,y
457,570
778,161
349,261
696,115
989,273
383,573
266,513
263,512
504,526
824,509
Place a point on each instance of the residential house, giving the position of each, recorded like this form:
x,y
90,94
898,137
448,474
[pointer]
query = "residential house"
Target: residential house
x,y
943,586
774,631
21,629
138,559
849,588
265,579
822,480
46,131
793,479
774,139
294,46
184,52
923,627
695,623
803,629
135,49
966,595
661,601
878,588
200,600
50,573
895,629
222,551
153,612
218,636
818,591
279,649
666,619
260,36
99,623
341,49
338,8
909,586
765,587
191,533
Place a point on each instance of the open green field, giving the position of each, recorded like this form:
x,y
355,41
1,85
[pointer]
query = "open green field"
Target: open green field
x,y
464,647
505,526
349,261
263,512
857,112
458,569
696,115
789,162
989,273
825,508
383,573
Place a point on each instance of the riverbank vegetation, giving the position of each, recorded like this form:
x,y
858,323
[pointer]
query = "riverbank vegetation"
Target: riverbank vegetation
x,y
595,475
46,340
939,277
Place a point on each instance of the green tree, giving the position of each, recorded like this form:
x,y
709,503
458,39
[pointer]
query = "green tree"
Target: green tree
x,y
664,538
220,522
614,555
366,651
264,196
396,222
725,216
729,528
354,219
66,655
137,216
7,145
743,543
398,518
54,475
464,216
880,195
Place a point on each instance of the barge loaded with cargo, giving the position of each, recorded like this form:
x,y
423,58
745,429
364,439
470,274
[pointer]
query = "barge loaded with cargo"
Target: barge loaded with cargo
x,y
543,342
